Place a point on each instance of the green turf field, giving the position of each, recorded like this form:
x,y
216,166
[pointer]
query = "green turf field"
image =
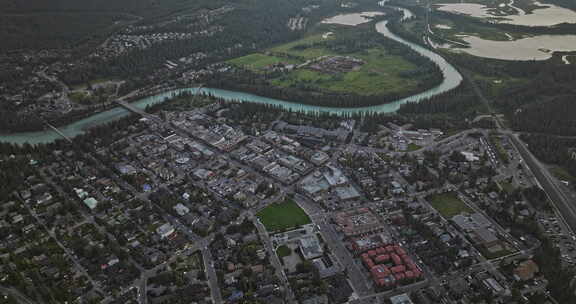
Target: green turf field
x,y
283,216
448,204
283,251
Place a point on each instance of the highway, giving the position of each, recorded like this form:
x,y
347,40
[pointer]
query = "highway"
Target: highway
x,y
564,208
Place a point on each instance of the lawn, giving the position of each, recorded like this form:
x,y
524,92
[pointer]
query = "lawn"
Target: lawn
x,y
413,147
283,216
257,61
494,255
283,251
506,186
448,204
80,97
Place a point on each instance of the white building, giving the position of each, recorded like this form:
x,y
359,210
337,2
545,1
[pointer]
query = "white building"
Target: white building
x,y
165,230
181,209
91,203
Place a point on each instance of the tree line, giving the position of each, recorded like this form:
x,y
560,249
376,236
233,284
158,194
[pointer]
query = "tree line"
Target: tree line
x,y
553,150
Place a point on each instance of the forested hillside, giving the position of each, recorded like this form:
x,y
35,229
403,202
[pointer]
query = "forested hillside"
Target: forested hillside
x,y
556,116
144,7
553,150
545,104
52,24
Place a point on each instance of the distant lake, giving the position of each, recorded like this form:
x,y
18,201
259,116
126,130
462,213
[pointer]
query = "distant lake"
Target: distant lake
x,y
531,48
352,19
548,15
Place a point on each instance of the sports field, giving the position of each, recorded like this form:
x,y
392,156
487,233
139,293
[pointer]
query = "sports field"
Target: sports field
x,y
448,204
283,216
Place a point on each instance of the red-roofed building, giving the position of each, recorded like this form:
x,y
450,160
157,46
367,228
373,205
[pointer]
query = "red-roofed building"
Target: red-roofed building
x,y
399,250
369,263
396,259
379,272
383,258
398,269
409,274
361,221
406,259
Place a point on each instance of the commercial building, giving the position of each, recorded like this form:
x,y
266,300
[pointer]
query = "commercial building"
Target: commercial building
x,y
310,247
181,209
401,299
361,221
91,203
165,230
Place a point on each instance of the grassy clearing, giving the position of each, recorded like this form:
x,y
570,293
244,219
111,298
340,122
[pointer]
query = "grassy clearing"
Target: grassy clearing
x,y
82,97
502,154
96,81
494,86
283,251
309,53
413,147
381,74
506,186
283,216
186,103
562,174
448,204
494,255
257,62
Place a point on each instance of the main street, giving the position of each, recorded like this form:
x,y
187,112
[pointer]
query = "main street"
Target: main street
x,y
356,276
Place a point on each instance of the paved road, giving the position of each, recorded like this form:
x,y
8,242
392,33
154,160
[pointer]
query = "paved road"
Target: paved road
x,y
565,209
211,274
290,297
